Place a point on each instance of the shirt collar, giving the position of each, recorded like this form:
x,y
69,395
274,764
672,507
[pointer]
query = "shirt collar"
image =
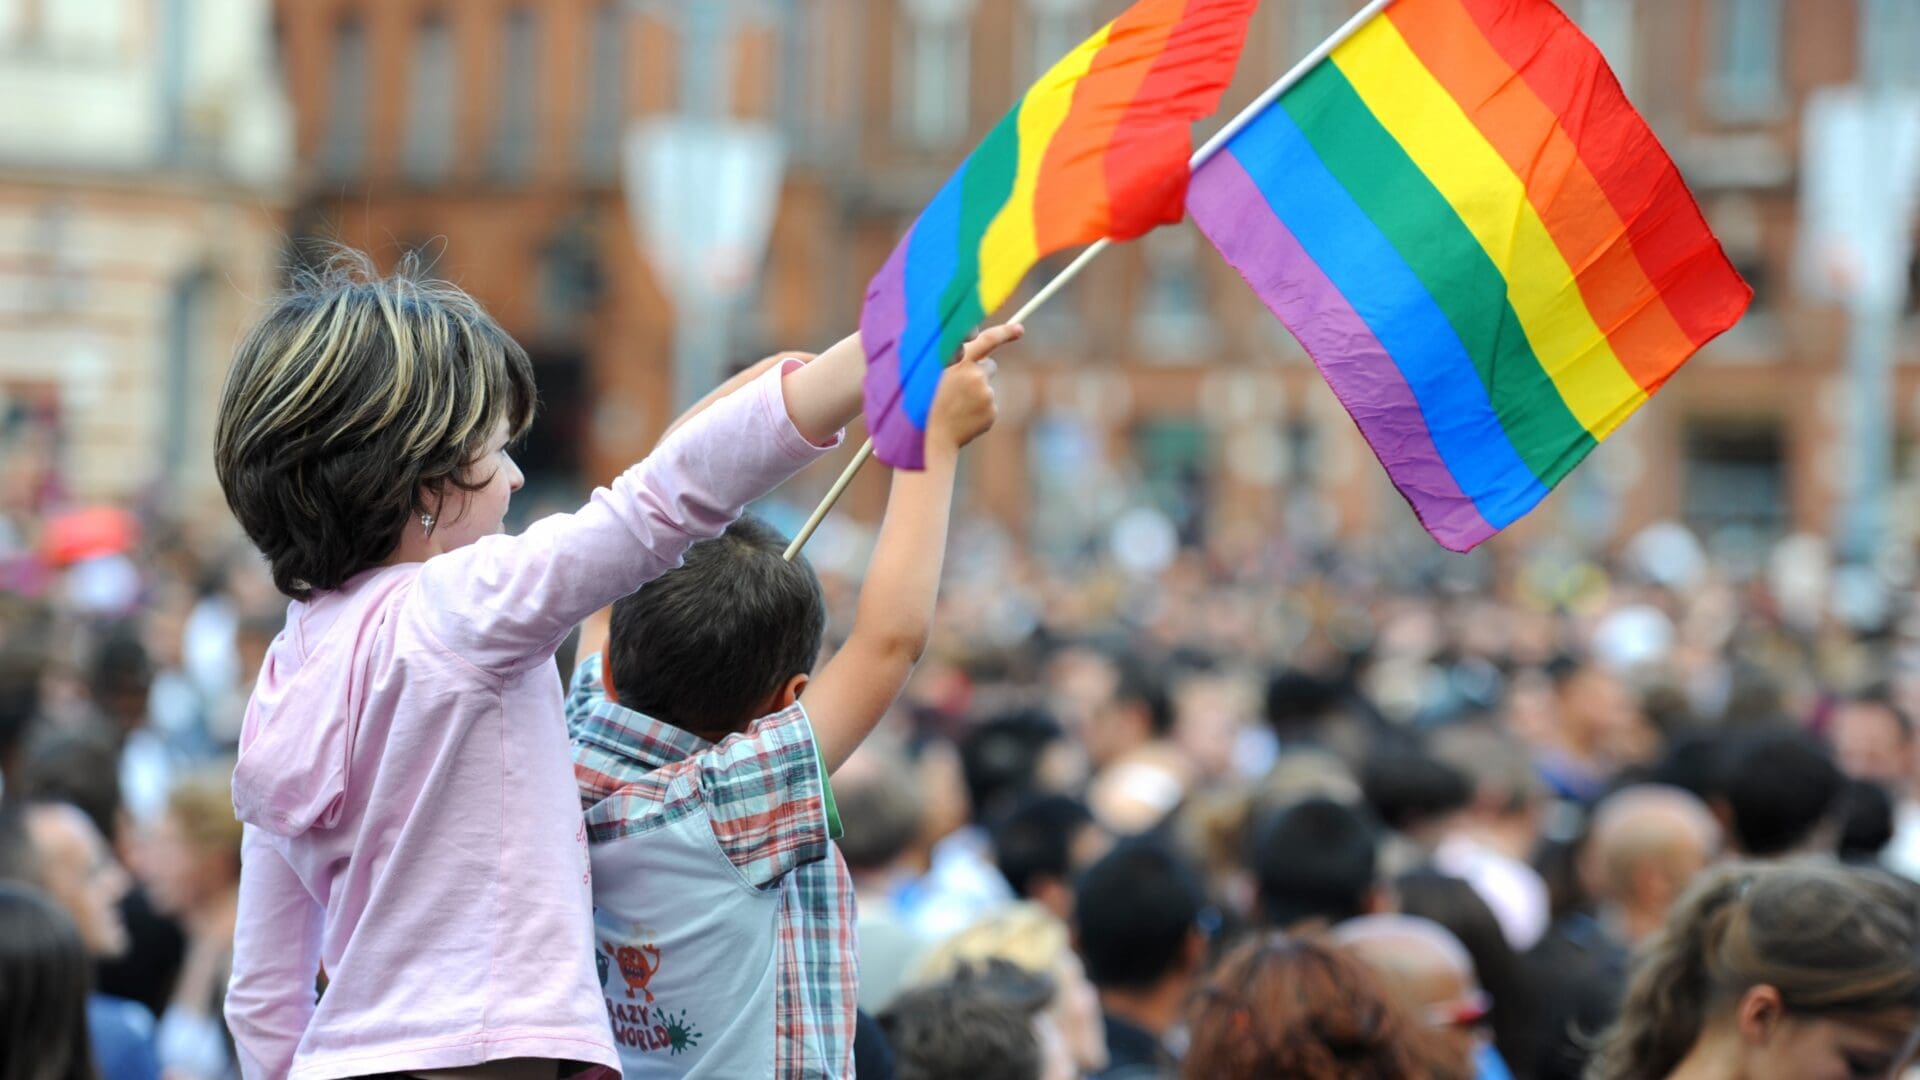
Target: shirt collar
x,y
637,736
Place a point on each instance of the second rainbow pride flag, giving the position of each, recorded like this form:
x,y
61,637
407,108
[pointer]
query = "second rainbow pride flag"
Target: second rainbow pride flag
x,y
1479,242
1096,149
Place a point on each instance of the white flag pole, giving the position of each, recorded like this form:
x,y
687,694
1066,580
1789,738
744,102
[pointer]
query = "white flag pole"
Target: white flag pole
x,y
1072,270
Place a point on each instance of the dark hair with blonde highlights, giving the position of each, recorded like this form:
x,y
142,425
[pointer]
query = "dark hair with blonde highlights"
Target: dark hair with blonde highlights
x,y
1831,940
1303,1007
352,397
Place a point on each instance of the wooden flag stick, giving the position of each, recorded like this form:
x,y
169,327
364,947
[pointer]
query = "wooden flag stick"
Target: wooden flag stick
x,y
1200,156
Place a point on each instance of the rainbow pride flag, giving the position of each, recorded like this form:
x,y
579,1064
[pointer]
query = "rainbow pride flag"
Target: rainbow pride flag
x,y
1097,148
1479,242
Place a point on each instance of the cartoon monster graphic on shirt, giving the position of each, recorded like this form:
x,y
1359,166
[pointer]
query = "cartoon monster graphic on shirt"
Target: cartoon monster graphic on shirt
x,y
637,964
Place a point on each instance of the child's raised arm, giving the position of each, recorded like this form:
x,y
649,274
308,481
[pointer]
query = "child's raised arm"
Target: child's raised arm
x,y
855,689
824,396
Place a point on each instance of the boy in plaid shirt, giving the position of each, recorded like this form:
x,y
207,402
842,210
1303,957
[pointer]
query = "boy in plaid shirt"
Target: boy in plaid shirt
x,y
722,911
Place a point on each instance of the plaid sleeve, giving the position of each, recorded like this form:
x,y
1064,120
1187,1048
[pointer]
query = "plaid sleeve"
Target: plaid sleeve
x,y
767,796
585,693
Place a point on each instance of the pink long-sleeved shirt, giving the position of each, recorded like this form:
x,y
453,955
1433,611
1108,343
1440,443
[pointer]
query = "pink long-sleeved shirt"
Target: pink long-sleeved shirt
x,y
412,822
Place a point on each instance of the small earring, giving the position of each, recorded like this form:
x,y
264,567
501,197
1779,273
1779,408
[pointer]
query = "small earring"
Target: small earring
x,y
426,524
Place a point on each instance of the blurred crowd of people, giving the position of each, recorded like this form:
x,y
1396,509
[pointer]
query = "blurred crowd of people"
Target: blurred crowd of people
x,y
1263,811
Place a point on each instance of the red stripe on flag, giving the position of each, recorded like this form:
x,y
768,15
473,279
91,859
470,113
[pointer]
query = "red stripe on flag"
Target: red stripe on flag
x,y
1070,202
1669,234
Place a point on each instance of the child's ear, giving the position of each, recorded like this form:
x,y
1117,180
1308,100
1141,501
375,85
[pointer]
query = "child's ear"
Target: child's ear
x,y
790,692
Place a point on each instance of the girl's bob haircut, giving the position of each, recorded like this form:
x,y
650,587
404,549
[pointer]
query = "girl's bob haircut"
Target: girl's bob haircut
x,y
352,407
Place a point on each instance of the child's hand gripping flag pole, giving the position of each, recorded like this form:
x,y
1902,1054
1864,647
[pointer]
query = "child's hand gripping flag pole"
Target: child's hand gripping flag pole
x,y
1093,152
1482,246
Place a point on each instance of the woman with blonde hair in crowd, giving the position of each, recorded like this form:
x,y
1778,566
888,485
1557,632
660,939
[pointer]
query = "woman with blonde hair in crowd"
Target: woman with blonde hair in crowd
x,y
191,863
1808,971
1033,939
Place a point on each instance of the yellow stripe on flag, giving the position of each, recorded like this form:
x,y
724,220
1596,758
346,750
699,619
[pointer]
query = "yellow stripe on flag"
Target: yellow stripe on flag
x,y
1492,200
1010,246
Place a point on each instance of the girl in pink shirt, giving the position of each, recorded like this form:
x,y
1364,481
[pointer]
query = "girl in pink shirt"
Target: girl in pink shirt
x,y
412,824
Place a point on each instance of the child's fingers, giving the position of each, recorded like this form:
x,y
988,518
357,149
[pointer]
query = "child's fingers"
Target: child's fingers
x,y
984,342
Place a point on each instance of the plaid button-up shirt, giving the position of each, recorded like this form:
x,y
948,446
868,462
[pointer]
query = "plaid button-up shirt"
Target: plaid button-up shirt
x,y
766,794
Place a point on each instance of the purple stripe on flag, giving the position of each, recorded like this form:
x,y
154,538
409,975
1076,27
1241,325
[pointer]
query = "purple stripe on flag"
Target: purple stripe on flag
x,y
882,320
1233,213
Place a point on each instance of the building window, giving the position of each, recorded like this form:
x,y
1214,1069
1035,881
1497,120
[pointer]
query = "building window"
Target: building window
x,y
428,151
1173,320
1609,23
1059,26
1736,477
930,78
519,75
1746,61
606,92
343,151
1890,43
1176,461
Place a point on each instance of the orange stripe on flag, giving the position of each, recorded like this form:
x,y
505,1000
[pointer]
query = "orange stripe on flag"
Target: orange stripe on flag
x,y
1624,301
1071,203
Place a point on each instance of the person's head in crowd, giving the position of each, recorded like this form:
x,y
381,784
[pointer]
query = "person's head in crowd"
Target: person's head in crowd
x,y
1137,714
945,806
192,861
76,868
1505,810
1873,739
1208,709
1453,904
987,1020
1431,974
1140,776
81,768
1414,793
1141,921
1302,1008
1315,865
1042,844
121,679
1030,938
1799,970
1866,822
880,809
1594,706
1645,845
1780,793
1006,757
725,638
43,990
20,673
1299,703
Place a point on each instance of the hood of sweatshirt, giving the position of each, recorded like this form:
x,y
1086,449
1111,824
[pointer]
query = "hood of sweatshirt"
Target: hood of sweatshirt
x,y
296,741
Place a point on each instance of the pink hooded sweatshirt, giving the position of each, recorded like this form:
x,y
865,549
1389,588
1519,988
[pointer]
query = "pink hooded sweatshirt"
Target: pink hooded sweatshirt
x,y
412,822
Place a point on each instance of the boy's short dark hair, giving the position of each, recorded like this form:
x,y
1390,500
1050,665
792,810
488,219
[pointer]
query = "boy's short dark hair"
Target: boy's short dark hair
x,y
1315,860
1135,911
704,645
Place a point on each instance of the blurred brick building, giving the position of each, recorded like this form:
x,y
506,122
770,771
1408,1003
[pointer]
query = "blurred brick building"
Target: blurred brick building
x,y
143,149
488,131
